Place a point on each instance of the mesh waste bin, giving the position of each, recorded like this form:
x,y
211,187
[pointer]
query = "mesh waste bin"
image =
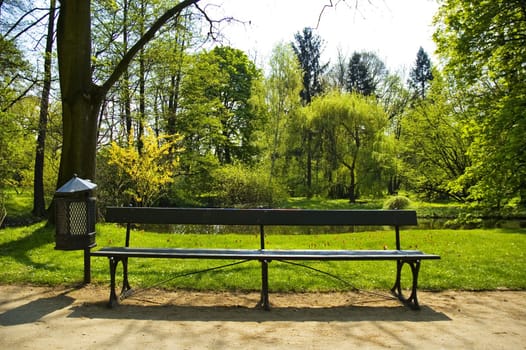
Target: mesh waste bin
x,y
75,215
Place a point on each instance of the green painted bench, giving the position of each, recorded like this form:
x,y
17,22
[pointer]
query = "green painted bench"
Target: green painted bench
x,y
262,218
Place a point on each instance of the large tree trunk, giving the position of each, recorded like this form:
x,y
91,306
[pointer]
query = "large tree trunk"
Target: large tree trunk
x,y
81,99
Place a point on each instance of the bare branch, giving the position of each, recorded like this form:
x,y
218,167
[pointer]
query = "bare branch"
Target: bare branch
x,y
323,10
214,31
333,4
209,20
20,20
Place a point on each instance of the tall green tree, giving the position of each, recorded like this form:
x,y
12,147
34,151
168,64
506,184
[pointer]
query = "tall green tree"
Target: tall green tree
x,y
365,73
484,47
395,99
15,127
421,74
170,58
218,115
39,203
353,127
308,47
283,86
435,149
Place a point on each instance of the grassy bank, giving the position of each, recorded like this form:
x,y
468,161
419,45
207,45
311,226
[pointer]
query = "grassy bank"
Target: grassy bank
x,y
481,259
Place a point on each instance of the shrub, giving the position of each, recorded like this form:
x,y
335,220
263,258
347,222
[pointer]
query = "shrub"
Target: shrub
x,y
139,177
397,202
235,185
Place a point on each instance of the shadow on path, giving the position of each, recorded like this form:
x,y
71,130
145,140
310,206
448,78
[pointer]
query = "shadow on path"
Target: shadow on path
x,y
35,310
246,314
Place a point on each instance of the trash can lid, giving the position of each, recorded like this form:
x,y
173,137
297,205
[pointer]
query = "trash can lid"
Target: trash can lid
x,y
76,184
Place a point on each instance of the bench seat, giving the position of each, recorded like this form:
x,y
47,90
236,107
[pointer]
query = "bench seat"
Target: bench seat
x,y
263,254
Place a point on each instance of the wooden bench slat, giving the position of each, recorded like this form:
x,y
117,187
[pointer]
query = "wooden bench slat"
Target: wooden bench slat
x,y
267,254
284,217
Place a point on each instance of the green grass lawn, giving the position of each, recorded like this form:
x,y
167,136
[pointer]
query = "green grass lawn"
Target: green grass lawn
x,y
480,259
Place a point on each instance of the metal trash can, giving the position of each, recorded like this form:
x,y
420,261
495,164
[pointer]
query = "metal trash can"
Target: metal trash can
x,y
75,218
75,215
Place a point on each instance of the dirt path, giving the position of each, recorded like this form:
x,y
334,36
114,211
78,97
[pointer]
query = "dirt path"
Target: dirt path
x,y
47,318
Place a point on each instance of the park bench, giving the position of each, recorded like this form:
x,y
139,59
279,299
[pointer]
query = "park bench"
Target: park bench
x,y
262,218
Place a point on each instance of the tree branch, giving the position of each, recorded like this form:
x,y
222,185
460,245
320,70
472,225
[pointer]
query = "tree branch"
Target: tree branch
x,y
19,97
147,37
21,19
332,4
213,29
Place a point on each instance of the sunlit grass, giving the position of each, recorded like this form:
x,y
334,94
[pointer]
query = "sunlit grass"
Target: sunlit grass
x,y
482,259
324,203
423,209
18,204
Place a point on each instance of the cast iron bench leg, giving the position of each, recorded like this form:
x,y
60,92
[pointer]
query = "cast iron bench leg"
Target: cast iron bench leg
x,y
412,301
114,301
126,289
264,301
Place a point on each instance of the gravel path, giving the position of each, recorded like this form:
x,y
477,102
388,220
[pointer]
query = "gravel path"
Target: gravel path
x,y
55,318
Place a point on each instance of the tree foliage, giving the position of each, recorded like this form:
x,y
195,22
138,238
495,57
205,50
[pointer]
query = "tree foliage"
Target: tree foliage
x,y
141,177
82,95
13,66
219,115
421,74
484,48
365,73
308,47
351,126
282,86
17,115
134,66
17,127
435,153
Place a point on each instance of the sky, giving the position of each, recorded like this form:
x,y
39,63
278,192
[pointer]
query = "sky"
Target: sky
x,y
393,29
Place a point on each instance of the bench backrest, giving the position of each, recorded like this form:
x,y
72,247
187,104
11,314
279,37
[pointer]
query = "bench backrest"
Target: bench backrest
x,y
265,217
261,217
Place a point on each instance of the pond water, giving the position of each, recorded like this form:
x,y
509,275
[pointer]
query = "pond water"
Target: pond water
x,y
426,223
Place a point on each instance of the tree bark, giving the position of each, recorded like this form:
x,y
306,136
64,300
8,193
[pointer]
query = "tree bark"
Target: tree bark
x,y
309,164
39,204
81,99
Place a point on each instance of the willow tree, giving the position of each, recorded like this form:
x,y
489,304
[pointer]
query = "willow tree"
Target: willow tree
x,y
352,127
81,97
283,86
